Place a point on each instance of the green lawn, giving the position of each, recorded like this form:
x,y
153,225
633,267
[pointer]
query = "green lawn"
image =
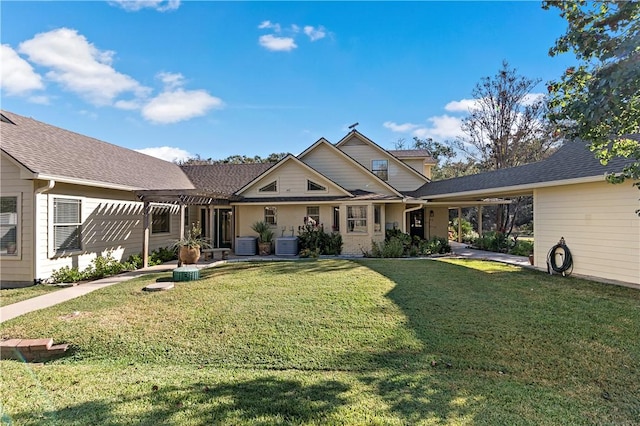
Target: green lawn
x,y
391,341
13,295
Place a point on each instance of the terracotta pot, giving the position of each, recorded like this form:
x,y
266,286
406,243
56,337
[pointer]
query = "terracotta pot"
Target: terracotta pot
x,y
189,255
531,259
264,249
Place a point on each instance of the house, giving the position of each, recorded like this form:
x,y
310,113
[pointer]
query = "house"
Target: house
x,y
571,200
67,198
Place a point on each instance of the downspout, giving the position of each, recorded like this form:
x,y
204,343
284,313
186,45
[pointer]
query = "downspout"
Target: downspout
x,y
36,233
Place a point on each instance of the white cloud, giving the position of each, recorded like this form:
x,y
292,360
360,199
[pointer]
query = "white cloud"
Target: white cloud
x,y
295,28
400,128
167,153
135,5
171,80
463,105
442,127
315,33
17,76
269,25
282,44
179,105
79,66
40,99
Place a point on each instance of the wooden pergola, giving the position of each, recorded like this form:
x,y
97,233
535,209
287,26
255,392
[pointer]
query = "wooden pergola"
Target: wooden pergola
x,y
179,197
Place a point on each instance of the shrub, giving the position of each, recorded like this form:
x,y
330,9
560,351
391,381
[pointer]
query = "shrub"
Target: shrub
x,y
104,266
493,241
522,248
312,237
436,245
392,247
468,234
67,275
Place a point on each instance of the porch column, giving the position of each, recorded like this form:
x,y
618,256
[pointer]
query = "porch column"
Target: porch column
x,y
145,232
182,209
459,224
480,221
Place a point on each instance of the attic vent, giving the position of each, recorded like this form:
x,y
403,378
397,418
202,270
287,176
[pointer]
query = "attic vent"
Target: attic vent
x,y
270,187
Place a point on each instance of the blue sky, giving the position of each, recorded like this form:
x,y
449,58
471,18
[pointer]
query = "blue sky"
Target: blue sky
x,y
175,79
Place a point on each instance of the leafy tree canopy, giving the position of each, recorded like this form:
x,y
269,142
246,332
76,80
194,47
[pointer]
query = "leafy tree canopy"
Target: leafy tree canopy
x,y
235,159
599,100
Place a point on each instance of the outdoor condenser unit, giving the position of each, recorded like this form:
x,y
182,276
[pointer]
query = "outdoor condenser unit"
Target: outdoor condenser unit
x,y
287,246
246,246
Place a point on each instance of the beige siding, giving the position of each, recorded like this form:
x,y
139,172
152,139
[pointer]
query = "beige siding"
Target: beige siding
x,y
288,216
18,268
598,223
291,180
399,177
111,220
342,171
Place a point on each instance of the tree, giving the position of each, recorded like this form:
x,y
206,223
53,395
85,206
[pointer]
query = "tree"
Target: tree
x,y
234,159
599,101
506,127
447,165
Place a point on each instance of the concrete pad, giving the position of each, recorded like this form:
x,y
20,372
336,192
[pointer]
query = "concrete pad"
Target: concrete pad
x,y
160,286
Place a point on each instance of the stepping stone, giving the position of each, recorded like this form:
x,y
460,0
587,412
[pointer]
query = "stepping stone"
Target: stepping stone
x,y
159,286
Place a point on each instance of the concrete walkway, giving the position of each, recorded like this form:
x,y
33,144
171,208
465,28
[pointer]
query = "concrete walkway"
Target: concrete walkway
x,y
46,300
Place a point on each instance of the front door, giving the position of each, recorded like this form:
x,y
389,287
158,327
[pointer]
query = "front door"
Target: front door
x,y
222,226
416,223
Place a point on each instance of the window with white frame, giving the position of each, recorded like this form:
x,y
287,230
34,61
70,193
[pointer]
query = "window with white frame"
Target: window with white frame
x,y
270,187
9,228
271,215
380,168
160,220
313,215
312,186
357,219
377,218
67,224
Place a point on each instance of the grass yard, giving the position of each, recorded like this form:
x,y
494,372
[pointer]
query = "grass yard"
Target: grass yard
x,y
374,341
13,295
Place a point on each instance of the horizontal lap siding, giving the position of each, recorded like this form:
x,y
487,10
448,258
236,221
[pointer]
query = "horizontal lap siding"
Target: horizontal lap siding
x,y
342,171
599,225
111,221
292,182
18,268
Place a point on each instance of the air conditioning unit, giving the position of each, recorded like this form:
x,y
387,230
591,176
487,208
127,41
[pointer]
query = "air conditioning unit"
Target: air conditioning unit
x,y
286,246
246,246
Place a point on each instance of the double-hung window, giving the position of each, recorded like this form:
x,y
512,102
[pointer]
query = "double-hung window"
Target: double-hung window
x,y
67,224
380,168
357,219
9,225
271,215
313,213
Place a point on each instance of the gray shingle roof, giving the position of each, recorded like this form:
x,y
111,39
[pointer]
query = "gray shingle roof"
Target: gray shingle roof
x,y
572,161
51,151
224,178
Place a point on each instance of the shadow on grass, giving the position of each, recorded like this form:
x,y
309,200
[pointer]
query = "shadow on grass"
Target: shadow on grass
x,y
282,267
266,401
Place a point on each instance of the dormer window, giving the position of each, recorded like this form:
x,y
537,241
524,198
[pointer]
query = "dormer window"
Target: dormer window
x,y
312,186
380,168
270,187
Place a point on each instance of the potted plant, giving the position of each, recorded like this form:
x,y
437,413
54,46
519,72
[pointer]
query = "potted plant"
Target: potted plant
x,y
189,246
265,235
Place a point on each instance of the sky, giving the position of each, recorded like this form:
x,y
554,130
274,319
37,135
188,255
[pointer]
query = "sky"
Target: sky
x,y
175,79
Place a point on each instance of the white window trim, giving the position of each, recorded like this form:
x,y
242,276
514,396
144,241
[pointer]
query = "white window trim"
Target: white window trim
x,y
307,213
374,171
50,238
320,191
165,209
277,191
18,254
275,216
367,208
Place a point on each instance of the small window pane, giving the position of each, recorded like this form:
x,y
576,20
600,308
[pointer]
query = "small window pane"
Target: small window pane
x,y
272,187
312,186
381,169
377,218
357,219
8,225
313,215
67,224
271,215
160,220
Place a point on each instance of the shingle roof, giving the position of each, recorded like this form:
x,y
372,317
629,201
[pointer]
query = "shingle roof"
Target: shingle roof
x,y
572,161
54,152
224,178
410,153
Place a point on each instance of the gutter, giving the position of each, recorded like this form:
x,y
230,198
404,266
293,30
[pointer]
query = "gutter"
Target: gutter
x,y
36,233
